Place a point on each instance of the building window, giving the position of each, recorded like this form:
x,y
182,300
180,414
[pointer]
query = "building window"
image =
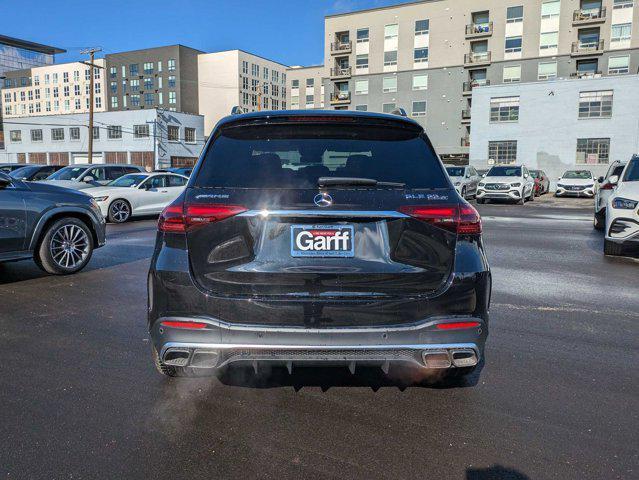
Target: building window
x,y
512,73
114,132
388,107
78,104
361,108
294,83
550,9
172,98
171,65
361,62
114,102
149,99
420,82
419,109
390,58
173,133
593,150
15,136
135,100
36,80
148,68
65,77
310,101
141,131
310,82
96,133
244,67
361,87
134,70
391,31
420,55
618,65
57,134
113,72
362,35
504,109
622,4
503,152
171,82
515,14
389,84
189,135
135,84
148,83
421,27
36,135
513,45
595,104
621,32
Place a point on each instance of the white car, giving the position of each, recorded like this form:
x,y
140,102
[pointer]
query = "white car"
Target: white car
x,y
576,183
465,179
138,194
507,182
83,176
604,190
622,211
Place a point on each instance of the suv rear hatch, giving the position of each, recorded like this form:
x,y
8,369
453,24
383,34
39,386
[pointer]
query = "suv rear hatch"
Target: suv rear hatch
x,y
321,208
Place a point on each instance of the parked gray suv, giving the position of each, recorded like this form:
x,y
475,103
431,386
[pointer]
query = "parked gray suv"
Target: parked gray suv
x,y
57,227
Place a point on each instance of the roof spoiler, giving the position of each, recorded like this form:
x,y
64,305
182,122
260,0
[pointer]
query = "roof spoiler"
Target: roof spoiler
x,y
399,111
237,110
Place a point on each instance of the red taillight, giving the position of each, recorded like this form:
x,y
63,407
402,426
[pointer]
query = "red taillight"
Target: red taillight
x,y
462,219
457,325
179,217
188,325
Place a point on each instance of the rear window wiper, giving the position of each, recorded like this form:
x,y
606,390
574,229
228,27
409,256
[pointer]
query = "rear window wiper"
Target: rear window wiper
x,y
356,182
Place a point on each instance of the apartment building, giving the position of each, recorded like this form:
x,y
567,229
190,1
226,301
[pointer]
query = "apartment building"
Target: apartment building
x,y
153,138
238,78
307,89
428,56
16,54
162,77
556,125
62,88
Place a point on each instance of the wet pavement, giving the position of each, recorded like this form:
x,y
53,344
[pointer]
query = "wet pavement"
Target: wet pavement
x,y
558,397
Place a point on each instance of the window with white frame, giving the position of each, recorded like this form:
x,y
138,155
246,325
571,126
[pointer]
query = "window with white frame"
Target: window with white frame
x,y
503,152
422,27
171,65
114,102
189,135
593,150
515,14
36,135
390,58
361,87
548,40
15,136
172,98
512,73
504,109
620,32
420,55
74,133
419,108
389,84
141,131
550,9
361,108
361,62
617,4
114,132
391,31
388,107
619,65
362,35
57,134
420,81
310,101
173,133
547,70
513,45
595,104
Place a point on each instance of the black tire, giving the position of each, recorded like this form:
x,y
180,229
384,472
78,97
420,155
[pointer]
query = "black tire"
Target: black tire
x,y
599,221
521,201
481,201
612,248
65,248
119,211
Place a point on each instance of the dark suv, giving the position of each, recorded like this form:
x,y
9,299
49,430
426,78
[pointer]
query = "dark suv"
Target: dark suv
x,y
331,238
57,227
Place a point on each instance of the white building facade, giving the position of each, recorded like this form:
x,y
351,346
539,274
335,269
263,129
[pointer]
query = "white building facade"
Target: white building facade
x,y
556,125
152,138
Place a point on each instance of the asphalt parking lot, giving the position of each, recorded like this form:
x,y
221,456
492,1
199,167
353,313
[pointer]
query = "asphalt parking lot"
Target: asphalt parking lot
x,y
558,397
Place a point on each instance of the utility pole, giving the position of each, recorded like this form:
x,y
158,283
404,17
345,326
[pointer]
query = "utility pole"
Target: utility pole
x,y
91,52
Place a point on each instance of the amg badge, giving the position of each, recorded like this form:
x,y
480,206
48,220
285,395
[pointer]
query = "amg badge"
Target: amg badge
x,y
322,241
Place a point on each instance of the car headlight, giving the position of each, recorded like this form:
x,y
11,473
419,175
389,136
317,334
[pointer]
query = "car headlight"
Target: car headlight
x,y
100,199
590,185
481,184
457,184
624,203
515,184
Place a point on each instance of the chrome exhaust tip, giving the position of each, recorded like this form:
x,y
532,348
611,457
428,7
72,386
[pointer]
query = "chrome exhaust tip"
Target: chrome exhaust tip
x,y
176,357
464,358
436,359
205,359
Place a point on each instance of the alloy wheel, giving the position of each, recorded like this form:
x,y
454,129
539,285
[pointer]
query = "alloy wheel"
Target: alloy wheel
x,y
120,211
69,246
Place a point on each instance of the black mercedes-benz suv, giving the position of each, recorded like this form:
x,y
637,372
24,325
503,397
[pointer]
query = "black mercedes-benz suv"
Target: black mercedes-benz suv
x,y
57,227
318,238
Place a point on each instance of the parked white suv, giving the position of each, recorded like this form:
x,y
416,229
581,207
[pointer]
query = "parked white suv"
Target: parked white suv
x,y
622,211
576,183
465,179
603,191
507,182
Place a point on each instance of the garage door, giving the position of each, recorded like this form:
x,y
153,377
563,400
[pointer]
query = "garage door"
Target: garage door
x,y
84,158
181,162
58,158
144,159
39,158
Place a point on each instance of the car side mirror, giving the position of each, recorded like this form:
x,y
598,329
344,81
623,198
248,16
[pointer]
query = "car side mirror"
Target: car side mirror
x,y
614,180
88,179
600,179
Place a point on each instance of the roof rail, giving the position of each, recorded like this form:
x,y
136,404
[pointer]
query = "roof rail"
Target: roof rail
x,y
399,111
237,110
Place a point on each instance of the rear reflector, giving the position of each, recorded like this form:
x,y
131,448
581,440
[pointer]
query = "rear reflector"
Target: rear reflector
x,y
457,325
462,219
180,217
188,325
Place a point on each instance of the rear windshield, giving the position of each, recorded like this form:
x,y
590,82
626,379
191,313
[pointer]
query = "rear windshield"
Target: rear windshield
x,y
504,172
296,156
455,171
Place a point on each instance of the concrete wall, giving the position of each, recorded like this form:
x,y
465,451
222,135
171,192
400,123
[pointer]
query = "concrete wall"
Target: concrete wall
x,y
549,126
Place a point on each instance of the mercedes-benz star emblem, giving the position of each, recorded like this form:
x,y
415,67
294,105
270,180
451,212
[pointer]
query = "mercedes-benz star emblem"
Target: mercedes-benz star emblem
x,y
323,200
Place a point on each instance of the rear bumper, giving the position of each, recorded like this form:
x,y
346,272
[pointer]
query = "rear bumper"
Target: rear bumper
x,y
221,344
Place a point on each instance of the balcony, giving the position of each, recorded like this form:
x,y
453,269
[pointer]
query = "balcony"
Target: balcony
x,y
466,115
479,30
341,48
475,59
591,74
339,73
465,141
340,98
468,86
589,16
588,48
